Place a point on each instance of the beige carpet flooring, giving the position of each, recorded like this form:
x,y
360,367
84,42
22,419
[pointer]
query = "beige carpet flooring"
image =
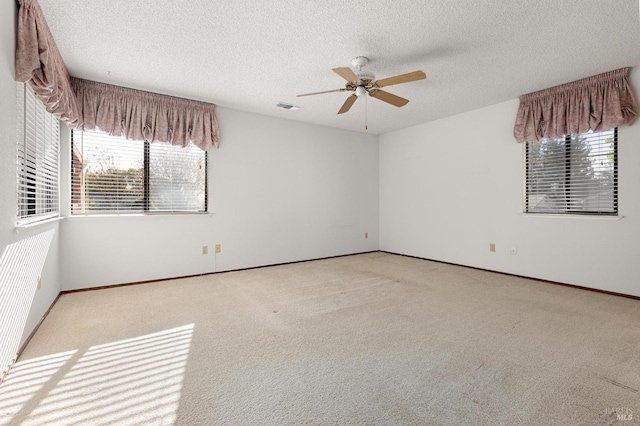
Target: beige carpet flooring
x,y
365,339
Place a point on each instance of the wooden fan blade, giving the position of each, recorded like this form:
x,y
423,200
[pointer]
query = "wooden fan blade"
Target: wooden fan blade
x,y
348,103
320,93
402,78
389,98
347,74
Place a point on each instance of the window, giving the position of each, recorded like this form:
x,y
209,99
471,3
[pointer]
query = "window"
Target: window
x,y
113,175
37,159
575,174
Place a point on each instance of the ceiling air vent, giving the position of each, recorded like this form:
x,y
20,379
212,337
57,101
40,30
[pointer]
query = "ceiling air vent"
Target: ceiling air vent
x,y
287,106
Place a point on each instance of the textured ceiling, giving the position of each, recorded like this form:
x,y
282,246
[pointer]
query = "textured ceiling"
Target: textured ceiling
x,y
250,55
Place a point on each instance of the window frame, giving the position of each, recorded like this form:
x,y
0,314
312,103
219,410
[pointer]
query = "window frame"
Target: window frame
x,y
146,190
568,172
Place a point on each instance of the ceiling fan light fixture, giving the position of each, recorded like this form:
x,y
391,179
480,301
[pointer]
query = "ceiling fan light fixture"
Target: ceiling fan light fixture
x,y
360,90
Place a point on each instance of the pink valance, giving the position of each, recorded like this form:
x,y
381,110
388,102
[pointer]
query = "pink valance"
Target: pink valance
x,y
138,115
596,103
38,63
89,105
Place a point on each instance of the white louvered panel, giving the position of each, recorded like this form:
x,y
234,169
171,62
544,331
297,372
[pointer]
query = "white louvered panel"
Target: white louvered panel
x,y
114,175
176,182
37,159
576,174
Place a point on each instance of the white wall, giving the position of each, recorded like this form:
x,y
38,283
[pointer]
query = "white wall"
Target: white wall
x,y
33,252
450,187
280,191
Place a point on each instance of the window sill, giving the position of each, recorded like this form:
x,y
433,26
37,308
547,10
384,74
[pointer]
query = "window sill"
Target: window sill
x,y
572,216
36,224
136,216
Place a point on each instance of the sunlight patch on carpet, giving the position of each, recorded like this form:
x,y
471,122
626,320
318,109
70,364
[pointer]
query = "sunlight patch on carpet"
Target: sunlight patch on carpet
x,y
27,379
132,381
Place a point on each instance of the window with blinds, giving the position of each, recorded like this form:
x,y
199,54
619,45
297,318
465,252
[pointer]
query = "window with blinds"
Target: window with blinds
x,y
38,139
575,174
112,175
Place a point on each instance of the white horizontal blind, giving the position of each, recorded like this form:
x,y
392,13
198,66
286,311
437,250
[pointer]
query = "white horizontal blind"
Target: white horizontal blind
x,y
177,178
37,158
575,174
107,174
113,175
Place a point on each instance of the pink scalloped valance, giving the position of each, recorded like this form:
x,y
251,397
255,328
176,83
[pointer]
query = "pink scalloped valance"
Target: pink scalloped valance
x,y
38,63
88,105
596,103
139,115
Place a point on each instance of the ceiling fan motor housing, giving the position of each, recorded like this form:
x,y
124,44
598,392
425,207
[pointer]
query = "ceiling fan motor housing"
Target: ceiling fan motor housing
x,y
365,76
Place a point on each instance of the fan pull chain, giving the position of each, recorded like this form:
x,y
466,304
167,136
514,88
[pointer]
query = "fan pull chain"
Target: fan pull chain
x,y
366,102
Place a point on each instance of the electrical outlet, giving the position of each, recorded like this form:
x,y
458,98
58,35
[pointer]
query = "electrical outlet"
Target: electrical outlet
x,y
366,235
205,249
39,283
218,249
492,247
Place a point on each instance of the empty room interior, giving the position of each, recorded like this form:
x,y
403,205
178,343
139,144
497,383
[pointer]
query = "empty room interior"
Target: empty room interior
x,y
319,212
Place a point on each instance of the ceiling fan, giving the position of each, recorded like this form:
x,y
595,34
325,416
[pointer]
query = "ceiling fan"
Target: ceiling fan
x,y
365,83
